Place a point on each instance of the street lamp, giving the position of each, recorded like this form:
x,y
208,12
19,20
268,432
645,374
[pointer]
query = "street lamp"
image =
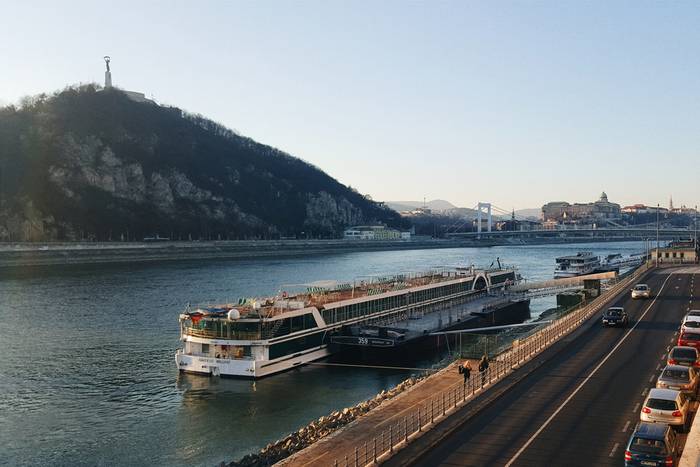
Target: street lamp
x,y
658,206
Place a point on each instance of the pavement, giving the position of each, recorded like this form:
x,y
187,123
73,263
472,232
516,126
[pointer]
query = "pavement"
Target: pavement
x,y
578,407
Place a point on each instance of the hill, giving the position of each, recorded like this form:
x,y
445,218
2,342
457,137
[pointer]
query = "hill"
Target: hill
x,y
87,163
435,205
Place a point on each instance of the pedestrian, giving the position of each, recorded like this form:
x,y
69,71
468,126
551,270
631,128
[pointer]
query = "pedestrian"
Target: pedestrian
x,y
483,366
466,370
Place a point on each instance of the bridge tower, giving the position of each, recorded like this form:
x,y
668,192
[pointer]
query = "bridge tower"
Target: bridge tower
x,y
479,216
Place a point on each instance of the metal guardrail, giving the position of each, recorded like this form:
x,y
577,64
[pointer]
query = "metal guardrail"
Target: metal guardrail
x,y
440,406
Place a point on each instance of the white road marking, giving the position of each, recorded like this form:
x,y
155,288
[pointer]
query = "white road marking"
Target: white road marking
x,y
627,425
644,393
651,378
658,367
583,383
612,453
636,408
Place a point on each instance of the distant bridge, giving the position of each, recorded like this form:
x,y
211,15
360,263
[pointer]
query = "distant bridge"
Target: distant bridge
x,y
632,233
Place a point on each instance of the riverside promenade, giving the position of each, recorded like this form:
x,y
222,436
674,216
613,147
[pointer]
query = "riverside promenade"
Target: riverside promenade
x,y
394,412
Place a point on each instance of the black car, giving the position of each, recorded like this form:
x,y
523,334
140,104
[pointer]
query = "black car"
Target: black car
x,y
652,444
615,316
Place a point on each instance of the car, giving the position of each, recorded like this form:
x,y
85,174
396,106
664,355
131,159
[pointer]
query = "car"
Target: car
x,y
686,356
615,316
689,338
666,406
691,313
641,291
653,444
680,378
691,323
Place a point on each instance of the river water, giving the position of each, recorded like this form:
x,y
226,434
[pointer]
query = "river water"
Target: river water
x,y
87,371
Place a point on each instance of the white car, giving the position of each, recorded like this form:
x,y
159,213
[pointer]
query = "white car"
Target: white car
x,y
641,291
692,313
691,324
666,406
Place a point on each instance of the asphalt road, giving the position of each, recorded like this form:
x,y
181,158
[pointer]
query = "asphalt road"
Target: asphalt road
x,y
579,407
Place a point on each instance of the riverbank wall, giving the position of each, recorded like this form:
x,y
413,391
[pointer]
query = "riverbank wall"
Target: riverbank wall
x,y
61,253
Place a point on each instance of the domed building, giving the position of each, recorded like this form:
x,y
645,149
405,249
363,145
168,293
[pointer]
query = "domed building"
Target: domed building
x,y
579,213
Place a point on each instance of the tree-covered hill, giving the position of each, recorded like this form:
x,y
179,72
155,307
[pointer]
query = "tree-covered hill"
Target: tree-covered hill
x,y
88,163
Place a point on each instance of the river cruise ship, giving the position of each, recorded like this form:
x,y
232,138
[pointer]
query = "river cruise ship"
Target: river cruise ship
x,y
260,337
579,264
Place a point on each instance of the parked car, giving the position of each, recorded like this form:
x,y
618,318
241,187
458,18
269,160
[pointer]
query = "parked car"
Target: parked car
x,y
653,444
615,316
691,323
666,406
691,313
641,291
680,378
689,339
686,356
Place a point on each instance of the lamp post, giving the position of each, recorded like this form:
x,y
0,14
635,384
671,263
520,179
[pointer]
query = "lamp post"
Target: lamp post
x,y
658,206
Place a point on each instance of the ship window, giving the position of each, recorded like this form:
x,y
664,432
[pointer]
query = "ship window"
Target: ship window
x,y
205,349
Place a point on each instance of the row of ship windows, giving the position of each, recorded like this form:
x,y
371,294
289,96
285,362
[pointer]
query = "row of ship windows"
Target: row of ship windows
x,y
373,306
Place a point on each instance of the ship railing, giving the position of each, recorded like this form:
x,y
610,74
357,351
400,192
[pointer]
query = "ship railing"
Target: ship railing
x,y
427,414
216,334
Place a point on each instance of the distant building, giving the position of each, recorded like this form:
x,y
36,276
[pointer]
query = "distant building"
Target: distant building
x,y
563,212
374,232
685,251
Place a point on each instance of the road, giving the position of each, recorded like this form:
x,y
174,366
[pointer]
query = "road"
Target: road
x,y
579,407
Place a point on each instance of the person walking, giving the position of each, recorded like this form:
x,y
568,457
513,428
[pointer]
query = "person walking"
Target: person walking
x,y
483,366
466,370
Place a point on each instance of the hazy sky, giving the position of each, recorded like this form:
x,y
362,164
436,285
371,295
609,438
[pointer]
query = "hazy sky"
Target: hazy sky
x,y
516,103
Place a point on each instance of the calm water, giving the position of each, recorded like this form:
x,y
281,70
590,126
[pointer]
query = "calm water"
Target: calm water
x,y
87,372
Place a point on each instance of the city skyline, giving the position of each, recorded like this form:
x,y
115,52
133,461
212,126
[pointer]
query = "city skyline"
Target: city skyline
x,y
512,104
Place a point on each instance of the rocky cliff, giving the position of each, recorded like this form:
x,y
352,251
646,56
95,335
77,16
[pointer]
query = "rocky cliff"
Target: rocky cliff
x,y
88,163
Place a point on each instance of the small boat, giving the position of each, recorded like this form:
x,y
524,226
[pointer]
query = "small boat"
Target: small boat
x,y
583,262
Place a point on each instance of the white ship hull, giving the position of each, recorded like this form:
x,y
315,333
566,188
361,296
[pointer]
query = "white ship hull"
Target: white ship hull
x,y
246,368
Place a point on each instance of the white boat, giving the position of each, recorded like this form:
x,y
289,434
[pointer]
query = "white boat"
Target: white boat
x,y
260,337
584,262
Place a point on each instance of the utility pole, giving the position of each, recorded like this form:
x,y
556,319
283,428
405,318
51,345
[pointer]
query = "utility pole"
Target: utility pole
x,y
658,206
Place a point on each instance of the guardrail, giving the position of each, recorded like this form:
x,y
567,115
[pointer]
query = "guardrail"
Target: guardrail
x,y
438,407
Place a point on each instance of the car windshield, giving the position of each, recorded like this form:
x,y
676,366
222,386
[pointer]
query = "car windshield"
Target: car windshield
x,y
684,353
694,313
641,287
648,446
675,374
613,312
689,336
661,404
692,324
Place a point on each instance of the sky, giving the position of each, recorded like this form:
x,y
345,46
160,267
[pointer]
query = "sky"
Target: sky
x,y
516,103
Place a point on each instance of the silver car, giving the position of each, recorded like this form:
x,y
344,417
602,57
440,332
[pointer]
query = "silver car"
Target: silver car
x,y
641,291
666,406
681,378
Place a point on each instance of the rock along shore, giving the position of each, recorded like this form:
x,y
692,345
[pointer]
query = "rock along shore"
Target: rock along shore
x,y
318,429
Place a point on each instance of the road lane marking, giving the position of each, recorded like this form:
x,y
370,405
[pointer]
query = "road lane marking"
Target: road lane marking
x,y
658,367
644,393
651,378
636,408
583,383
612,453
627,425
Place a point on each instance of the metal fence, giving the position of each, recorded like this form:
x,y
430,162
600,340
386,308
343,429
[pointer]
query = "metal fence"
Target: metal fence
x,y
439,406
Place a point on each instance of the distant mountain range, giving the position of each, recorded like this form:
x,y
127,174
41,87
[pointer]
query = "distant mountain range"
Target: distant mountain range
x,y
435,205
446,207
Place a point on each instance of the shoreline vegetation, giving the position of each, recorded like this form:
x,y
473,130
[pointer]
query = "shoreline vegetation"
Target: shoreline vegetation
x,y
63,253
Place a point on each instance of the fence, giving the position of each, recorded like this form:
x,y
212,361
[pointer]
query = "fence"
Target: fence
x,y
436,408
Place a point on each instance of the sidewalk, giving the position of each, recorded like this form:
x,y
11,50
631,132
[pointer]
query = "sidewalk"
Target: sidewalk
x,y
365,429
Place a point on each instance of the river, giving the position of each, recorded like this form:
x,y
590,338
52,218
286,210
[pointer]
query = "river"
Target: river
x,y
88,377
